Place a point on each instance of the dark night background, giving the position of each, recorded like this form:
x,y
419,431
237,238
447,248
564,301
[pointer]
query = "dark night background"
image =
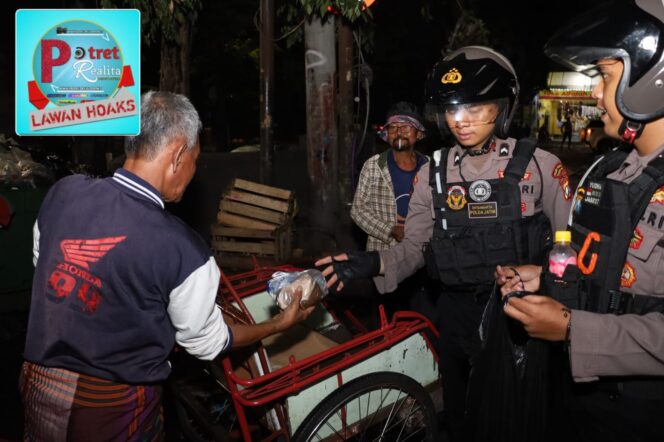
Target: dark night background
x,y
225,88
224,77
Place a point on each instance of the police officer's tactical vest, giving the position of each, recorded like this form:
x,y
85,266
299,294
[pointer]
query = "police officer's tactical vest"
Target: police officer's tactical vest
x,y
479,224
607,213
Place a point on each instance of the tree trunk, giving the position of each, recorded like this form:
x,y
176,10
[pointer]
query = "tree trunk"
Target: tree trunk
x,y
343,235
266,89
175,60
322,157
345,41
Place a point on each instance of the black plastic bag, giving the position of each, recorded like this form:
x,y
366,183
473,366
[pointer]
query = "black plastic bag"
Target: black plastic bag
x,y
508,392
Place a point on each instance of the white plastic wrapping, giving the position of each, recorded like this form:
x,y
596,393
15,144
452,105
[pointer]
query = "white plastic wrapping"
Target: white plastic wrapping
x,y
283,285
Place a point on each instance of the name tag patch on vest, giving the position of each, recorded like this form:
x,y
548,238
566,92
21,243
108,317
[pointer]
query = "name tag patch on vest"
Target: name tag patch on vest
x,y
480,191
456,197
483,210
594,193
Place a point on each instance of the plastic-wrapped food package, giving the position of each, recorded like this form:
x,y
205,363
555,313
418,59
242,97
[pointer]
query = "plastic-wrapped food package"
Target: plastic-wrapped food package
x,y
283,285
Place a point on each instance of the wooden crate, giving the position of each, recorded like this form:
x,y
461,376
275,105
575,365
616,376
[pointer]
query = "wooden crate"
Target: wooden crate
x,y
250,205
276,243
253,220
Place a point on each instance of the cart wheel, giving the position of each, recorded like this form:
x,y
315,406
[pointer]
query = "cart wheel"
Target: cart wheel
x,y
204,411
381,406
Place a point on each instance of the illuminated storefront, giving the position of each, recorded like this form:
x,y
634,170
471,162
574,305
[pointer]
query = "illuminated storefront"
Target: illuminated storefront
x,y
568,96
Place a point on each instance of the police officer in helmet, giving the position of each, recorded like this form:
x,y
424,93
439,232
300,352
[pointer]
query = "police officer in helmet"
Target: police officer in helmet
x,y
487,200
608,309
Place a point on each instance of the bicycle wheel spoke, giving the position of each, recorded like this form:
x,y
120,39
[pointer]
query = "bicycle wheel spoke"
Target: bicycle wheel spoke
x,y
405,419
388,407
380,406
389,416
328,424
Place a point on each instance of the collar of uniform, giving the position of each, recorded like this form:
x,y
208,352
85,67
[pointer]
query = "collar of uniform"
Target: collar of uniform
x,y
493,154
138,186
634,163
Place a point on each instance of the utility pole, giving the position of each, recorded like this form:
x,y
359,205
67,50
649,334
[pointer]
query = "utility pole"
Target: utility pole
x,y
266,90
322,156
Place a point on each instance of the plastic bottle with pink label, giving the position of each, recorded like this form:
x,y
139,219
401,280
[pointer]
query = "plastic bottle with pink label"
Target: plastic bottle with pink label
x,y
562,253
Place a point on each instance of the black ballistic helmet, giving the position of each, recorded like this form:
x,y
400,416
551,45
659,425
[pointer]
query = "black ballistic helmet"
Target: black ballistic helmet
x,y
632,31
472,74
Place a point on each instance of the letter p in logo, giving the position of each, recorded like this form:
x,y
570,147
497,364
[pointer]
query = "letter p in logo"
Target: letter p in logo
x,y
47,60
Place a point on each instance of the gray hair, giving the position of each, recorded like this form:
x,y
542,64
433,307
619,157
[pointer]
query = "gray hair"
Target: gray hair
x,y
164,117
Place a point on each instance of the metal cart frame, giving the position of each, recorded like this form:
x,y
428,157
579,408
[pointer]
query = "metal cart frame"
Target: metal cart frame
x,y
272,388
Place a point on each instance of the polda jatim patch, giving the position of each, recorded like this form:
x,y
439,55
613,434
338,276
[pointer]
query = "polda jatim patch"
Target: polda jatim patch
x,y
480,191
658,196
637,239
77,72
628,276
560,174
456,197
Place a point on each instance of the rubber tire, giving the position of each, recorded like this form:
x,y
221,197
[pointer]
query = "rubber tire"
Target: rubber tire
x,y
370,382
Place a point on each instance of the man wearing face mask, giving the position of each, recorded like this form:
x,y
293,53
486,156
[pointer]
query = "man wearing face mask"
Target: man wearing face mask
x,y
487,200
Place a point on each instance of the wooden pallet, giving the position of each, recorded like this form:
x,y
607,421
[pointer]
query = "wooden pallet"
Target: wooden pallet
x,y
250,205
276,243
253,220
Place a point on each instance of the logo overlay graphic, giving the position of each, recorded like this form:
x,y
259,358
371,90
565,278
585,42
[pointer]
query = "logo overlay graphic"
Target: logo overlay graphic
x,y
78,255
77,72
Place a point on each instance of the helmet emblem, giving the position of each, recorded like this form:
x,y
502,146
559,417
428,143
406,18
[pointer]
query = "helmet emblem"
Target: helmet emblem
x,y
452,76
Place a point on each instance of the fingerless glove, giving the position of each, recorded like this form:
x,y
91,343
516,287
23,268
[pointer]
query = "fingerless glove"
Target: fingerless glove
x,y
359,265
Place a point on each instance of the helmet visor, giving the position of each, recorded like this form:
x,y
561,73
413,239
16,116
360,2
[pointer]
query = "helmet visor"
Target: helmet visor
x,y
617,30
471,114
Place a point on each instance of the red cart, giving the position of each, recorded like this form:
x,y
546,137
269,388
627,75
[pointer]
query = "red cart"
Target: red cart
x,y
328,379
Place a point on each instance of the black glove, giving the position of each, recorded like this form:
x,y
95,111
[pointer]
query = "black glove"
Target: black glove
x,y
359,265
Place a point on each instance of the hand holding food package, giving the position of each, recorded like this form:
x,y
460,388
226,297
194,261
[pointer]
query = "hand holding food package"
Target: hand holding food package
x,y
283,285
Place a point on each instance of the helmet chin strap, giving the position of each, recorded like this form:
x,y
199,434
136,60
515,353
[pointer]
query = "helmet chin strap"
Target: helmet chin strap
x,y
630,130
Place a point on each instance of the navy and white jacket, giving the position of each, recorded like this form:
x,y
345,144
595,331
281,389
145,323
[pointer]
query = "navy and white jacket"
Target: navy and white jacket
x,y
118,281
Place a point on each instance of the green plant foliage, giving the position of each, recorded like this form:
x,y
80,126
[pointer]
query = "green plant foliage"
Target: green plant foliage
x,y
349,9
291,16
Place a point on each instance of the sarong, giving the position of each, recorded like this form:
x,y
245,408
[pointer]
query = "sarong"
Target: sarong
x,y
62,405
